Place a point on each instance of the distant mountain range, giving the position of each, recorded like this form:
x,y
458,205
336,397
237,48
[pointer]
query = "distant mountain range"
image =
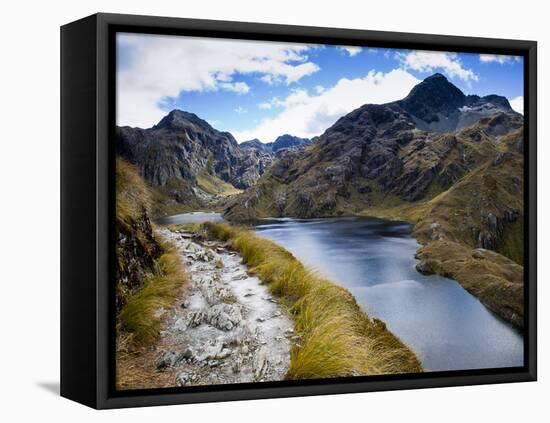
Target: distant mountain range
x,y
188,163
284,142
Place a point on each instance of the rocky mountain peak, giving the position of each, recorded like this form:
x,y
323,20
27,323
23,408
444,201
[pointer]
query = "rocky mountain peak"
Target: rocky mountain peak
x,y
254,144
179,119
283,142
287,141
435,95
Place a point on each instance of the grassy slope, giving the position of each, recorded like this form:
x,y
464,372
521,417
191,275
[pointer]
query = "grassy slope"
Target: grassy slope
x,y
154,268
496,279
136,247
137,318
493,278
165,203
215,186
337,338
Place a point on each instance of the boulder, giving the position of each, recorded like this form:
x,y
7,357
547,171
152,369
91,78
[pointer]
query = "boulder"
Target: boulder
x,y
224,316
166,360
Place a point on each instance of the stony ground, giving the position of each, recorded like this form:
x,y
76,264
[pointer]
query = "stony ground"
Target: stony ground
x,y
226,327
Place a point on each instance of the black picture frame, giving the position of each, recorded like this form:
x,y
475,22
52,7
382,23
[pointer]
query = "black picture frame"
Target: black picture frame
x,y
87,206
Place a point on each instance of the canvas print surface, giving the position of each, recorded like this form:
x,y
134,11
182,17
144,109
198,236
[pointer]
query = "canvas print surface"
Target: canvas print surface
x,y
296,211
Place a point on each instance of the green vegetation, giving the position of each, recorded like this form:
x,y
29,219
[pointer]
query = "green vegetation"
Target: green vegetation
x,y
215,186
512,241
177,195
336,337
139,315
165,203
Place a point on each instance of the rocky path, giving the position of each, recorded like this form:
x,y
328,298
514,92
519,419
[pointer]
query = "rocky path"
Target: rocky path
x,y
226,327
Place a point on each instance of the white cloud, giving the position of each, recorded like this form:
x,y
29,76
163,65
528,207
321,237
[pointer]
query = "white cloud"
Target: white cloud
x,y
351,50
319,89
268,79
264,106
517,104
430,61
307,115
237,87
153,67
241,110
496,58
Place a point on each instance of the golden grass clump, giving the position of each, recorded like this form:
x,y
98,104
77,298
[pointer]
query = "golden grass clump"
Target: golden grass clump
x,y
133,197
336,337
138,316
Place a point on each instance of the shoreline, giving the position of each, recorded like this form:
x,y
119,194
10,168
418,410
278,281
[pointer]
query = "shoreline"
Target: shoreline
x,y
338,337
483,283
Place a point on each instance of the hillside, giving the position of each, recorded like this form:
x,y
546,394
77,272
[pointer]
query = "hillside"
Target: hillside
x,y
188,163
137,249
450,163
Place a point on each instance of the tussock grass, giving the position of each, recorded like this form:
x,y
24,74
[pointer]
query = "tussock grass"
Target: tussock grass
x,y
336,337
133,197
138,317
214,185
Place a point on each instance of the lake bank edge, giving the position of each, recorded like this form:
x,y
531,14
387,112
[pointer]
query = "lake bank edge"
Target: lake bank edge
x,y
339,339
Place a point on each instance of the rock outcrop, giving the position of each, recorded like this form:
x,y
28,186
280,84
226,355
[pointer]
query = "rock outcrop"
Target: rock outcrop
x,y
137,249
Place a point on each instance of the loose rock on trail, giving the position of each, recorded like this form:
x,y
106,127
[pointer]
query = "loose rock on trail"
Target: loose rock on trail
x,y
226,327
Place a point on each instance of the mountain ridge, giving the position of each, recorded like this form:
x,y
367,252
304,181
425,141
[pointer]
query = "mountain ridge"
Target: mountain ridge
x,y
452,166
285,141
183,154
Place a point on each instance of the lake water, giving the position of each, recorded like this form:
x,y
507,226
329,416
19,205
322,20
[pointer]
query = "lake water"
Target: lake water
x,y
447,327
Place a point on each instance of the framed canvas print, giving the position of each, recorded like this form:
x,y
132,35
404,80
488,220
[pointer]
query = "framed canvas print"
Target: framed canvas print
x,y
256,211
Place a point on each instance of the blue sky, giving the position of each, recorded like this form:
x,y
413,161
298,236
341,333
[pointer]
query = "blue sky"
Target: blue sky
x,y
263,89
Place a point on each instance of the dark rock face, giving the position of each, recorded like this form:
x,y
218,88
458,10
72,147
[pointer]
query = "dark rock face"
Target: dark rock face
x,y
181,145
137,253
433,96
436,105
